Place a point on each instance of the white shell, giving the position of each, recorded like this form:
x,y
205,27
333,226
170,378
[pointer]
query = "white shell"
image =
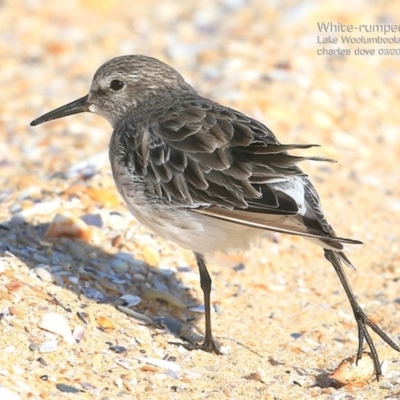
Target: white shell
x,y
56,323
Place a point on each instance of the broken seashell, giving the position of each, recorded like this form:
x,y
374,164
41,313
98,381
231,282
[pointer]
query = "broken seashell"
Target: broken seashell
x,y
69,225
56,323
350,371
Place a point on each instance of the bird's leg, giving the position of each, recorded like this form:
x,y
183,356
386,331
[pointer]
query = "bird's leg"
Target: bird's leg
x,y
205,283
360,317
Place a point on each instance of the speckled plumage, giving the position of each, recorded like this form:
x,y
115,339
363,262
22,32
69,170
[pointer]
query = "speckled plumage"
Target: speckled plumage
x,y
203,175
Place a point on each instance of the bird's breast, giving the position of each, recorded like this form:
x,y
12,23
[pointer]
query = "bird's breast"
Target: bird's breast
x,y
191,230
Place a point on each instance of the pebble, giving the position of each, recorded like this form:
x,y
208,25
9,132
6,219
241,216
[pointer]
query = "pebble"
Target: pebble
x,y
58,280
198,309
157,284
42,361
117,280
118,349
296,335
94,294
33,346
87,167
172,324
130,300
62,387
105,323
78,334
87,385
76,250
103,196
49,346
16,207
73,279
44,274
93,219
83,316
151,255
39,258
239,267
166,269
58,324
138,277
119,265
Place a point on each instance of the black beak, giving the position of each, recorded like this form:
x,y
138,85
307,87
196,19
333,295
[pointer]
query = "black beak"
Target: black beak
x,y
77,106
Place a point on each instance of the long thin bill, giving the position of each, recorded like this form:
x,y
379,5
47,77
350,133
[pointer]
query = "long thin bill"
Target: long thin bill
x,y
75,107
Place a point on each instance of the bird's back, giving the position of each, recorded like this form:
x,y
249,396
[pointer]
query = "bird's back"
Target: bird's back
x,y
219,171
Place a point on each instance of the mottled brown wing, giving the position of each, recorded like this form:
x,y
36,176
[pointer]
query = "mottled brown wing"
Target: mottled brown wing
x,y
205,157
219,157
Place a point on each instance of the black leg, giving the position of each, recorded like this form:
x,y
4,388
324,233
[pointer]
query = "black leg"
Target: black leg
x,y
360,317
205,283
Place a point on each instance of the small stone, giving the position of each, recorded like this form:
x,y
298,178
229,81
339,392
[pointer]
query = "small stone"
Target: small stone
x,y
83,316
76,250
117,280
130,300
119,265
42,361
39,258
73,279
49,346
43,274
103,196
94,294
138,277
172,324
87,385
93,219
198,309
79,333
15,208
151,256
105,323
66,388
118,349
33,346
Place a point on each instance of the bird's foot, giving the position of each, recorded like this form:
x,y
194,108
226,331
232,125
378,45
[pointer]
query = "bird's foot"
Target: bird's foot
x,y
208,345
362,322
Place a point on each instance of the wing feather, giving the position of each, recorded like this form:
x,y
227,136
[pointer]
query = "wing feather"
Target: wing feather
x,y
218,162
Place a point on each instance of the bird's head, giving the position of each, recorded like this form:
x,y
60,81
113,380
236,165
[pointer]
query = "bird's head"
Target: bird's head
x,y
122,86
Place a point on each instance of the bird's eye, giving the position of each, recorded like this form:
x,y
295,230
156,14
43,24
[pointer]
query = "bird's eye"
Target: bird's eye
x,y
116,85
